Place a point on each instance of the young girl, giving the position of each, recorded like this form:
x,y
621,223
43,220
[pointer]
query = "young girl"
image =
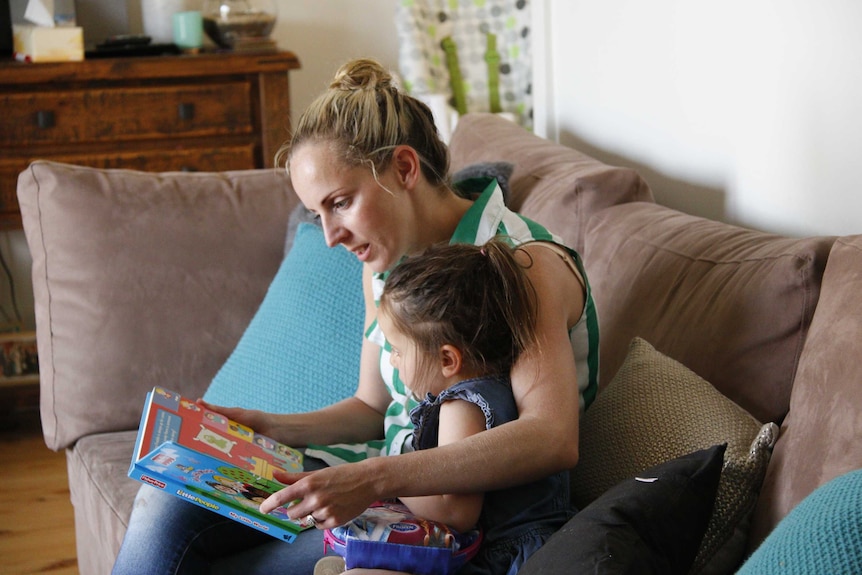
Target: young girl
x,y
457,318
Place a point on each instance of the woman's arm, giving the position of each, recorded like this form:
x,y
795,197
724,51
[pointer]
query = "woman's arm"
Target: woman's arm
x,y
352,420
542,441
458,420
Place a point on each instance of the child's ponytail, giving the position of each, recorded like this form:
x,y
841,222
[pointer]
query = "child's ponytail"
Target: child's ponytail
x,y
516,297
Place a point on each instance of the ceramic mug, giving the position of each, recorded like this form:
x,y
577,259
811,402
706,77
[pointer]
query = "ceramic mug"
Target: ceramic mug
x,y
188,30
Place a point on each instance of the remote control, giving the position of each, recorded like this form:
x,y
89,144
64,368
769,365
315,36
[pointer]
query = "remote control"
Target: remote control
x,y
124,40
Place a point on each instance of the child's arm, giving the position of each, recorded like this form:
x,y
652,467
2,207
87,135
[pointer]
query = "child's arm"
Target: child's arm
x,y
458,419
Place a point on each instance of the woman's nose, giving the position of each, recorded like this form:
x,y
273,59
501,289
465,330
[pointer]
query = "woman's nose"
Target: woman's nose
x,y
332,233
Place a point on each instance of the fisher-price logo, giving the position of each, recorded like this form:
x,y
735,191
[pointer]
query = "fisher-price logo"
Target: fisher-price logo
x,y
152,481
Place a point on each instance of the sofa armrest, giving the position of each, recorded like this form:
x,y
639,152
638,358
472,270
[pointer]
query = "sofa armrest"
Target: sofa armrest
x,y
142,279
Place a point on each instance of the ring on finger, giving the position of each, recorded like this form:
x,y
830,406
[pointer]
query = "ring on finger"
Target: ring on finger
x,y
309,519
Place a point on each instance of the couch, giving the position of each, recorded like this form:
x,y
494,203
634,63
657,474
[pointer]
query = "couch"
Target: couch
x,y
745,339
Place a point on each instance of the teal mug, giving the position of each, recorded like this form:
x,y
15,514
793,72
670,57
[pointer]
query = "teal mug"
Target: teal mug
x,y
188,30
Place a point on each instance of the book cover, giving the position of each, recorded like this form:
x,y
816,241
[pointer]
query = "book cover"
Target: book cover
x,y
212,461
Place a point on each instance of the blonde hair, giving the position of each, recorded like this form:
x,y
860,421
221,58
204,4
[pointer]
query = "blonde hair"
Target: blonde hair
x,y
366,116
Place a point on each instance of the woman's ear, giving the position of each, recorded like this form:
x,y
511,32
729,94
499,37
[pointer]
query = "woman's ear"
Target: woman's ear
x,y
451,360
408,167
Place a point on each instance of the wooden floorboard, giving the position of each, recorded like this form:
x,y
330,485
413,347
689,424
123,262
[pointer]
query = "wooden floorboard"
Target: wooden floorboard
x,y
37,527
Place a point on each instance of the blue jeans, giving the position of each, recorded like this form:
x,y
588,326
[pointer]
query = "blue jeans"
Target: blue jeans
x,y
168,535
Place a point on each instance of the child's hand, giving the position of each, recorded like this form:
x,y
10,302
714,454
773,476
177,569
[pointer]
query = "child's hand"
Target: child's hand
x,y
259,421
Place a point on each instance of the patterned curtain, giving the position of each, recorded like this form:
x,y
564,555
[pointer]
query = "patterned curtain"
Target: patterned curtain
x,y
473,54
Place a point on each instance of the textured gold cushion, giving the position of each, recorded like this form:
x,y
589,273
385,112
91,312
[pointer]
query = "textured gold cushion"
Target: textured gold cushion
x,y
655,409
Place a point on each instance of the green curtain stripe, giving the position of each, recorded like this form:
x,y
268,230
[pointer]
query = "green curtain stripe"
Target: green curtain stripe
x,y
492,58
456,81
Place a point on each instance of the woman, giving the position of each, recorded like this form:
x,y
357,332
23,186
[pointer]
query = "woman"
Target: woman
x,y
367,160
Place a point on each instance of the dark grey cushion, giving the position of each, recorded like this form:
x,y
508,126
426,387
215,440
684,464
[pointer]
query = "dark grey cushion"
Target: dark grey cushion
x,y
648,524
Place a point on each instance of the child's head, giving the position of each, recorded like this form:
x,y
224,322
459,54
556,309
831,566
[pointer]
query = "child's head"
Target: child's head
x,y
474,300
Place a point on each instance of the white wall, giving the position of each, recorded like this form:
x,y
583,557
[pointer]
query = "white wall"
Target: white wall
x,y
326,33
750,112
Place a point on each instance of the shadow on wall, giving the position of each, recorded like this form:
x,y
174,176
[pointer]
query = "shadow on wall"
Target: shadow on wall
x,y
691,198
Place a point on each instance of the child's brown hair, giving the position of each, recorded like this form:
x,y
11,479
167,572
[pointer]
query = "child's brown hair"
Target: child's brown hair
x,y
477,298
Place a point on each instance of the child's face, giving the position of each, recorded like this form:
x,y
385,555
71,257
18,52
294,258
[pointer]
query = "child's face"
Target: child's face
x,y
405,357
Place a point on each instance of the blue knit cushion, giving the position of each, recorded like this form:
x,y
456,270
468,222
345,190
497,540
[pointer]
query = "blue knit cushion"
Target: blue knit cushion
x,y
823,534
301,350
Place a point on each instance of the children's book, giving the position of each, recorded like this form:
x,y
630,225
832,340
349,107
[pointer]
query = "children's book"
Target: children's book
x,y
219,464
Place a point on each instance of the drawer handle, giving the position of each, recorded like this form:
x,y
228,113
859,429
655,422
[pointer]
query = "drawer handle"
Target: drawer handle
x,y
45,119
186,111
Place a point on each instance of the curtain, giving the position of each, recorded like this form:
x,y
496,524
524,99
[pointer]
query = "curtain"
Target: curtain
x,y
474,55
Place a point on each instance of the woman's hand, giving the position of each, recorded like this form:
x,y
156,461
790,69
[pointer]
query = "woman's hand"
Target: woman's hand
x,y
333,496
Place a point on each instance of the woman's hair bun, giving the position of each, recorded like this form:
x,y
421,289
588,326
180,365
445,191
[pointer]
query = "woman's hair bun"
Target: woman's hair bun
x,y
362,74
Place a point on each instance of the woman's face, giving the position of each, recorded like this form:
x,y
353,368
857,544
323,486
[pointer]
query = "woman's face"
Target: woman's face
x,y
354,209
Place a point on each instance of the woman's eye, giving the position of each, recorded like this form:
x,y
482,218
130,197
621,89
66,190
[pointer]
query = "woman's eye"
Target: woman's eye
x,y
340,204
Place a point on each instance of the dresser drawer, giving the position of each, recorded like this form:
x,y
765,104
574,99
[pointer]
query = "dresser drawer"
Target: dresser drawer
x,y
125,114
206,112
209,159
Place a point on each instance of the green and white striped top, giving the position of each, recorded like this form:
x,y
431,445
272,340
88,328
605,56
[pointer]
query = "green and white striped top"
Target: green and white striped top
x,y
487,218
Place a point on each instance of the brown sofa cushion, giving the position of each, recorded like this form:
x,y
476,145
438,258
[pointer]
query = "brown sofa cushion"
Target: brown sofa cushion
x,y
558,187
102,495
731,304
132,292
820,439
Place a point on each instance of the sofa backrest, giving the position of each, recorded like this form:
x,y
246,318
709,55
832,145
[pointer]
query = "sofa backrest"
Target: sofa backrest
x,y
119,263
559,187
732,304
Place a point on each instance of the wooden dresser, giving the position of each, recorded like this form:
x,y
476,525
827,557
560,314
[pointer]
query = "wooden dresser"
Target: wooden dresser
x,y
207,112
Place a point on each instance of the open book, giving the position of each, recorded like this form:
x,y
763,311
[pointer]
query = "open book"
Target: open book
x,y
203,457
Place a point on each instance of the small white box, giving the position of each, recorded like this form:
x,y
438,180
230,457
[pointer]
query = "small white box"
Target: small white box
x,y
43,44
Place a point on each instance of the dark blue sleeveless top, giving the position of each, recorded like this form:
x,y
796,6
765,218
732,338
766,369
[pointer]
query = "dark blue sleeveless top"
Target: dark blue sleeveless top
x,y
518,520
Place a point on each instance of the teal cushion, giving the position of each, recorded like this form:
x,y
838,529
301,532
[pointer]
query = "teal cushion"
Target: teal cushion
x,y
301,350
823,534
